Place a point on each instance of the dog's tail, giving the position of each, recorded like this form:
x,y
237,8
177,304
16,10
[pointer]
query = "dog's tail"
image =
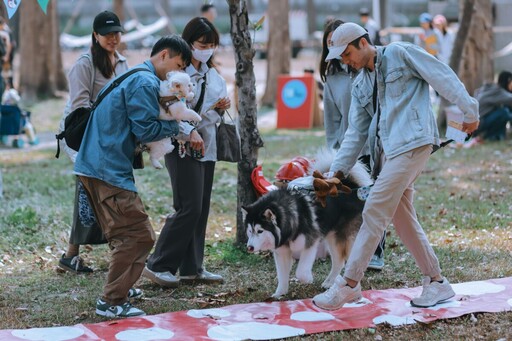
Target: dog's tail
x,y
325,156
323,160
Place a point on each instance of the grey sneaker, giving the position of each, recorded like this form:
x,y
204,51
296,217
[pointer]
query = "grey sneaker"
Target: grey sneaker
x,y
123,310
433,293
337,295
203,277
376,263
165,279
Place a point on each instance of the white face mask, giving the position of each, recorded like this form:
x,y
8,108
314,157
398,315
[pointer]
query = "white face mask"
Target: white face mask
x,y
202,55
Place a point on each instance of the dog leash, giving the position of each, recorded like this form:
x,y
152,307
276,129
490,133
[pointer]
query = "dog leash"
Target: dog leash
x,y
447,142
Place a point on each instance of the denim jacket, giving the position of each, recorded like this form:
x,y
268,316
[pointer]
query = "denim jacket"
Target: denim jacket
x,y
407,121
125,116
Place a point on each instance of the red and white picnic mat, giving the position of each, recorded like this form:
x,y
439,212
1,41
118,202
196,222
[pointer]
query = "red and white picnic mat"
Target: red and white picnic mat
x,y
275,320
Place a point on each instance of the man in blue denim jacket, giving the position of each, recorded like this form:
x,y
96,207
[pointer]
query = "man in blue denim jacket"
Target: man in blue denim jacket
x,y
391,108
129,113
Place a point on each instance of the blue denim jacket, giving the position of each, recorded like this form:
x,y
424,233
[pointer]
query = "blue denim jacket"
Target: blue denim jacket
x,y
407,121
127,115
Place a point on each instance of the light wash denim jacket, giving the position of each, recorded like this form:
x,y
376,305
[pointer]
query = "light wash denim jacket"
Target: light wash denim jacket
x,y
407,120
127,115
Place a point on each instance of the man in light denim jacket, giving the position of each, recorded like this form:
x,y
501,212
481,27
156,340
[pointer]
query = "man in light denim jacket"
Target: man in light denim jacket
x,y
394,112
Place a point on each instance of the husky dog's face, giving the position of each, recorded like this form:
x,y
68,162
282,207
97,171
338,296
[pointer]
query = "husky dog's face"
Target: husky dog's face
x,y
260,230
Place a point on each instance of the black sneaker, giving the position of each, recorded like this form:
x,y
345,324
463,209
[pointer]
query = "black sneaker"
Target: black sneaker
x,y
74,264
135,293
123,310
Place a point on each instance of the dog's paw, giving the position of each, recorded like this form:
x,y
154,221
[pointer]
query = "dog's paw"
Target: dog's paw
x,y
278,295
156,164
305,277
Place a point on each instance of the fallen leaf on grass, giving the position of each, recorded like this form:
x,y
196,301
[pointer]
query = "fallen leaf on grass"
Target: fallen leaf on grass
x,y
83,315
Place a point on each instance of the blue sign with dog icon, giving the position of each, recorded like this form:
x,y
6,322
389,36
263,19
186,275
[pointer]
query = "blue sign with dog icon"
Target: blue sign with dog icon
x,y
294,93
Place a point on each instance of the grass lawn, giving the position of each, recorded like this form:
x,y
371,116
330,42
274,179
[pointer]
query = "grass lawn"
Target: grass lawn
x,y
463,201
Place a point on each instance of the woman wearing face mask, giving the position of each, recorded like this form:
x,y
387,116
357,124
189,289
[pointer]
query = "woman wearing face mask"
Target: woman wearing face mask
x,y
180,247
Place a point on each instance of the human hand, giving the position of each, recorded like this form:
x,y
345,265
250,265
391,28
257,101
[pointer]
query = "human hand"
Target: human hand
x,y
469,128
196,142
223,104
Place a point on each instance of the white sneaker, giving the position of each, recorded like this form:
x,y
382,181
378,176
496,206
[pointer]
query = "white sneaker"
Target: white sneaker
x,y
204,277
433,293
165,279
337,295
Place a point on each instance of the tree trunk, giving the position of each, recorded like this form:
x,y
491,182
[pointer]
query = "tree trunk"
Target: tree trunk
x,y
455,59
42,73
311,9
246,84
278,48
477,66
118,9
3,11
163,7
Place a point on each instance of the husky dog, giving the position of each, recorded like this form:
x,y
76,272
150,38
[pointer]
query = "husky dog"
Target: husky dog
x,y
286,221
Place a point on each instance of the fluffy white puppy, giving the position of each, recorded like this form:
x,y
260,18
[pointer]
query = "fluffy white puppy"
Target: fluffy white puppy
x,y
175,91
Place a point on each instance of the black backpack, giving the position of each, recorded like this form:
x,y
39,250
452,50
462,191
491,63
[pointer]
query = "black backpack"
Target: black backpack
x,y
76,122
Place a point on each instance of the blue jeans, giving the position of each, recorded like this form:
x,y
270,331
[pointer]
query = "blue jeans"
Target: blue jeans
x,y
493,126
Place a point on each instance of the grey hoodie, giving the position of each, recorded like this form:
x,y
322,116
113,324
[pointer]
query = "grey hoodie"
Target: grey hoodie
x,y
491,96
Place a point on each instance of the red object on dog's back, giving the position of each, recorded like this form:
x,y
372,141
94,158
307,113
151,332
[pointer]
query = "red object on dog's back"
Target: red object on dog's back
x,y
260,184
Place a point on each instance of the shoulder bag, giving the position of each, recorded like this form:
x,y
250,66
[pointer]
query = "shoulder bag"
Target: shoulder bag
x,y
228,141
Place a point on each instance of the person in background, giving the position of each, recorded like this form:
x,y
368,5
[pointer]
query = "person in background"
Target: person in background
x,y
401,129
87,77
337,78
7,59
370,25
430,38
180,247
447,38
495,101
209,12
104,164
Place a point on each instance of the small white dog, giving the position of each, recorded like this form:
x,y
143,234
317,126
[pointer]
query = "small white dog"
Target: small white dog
x,y
174,92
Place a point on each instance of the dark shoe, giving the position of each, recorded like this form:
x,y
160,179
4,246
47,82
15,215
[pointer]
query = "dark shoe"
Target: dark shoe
x,y
165,279
204,277
123,310
74,264
135,293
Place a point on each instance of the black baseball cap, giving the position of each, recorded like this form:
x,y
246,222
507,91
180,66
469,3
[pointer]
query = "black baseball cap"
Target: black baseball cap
x,y
107,22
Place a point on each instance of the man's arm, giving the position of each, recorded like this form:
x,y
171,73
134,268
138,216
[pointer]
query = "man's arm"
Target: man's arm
x,y
143,110
442,78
